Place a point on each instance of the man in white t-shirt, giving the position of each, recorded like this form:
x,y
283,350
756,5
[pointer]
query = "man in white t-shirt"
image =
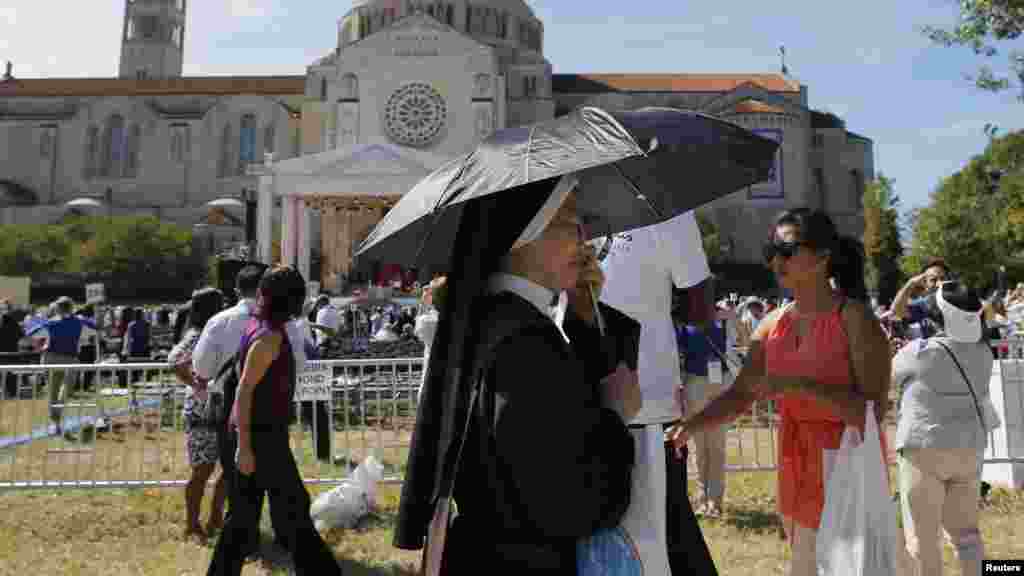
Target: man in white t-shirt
x,y
327,316
641,267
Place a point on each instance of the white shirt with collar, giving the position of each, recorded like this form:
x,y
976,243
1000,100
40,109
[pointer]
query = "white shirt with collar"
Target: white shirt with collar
x,y
535,294
222,336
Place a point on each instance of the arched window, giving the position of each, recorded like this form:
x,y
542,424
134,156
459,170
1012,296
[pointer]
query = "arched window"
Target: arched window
x,y
246,142
503,25
268,138
857,188
226,152
92,137
449,15
179,142
132,145
113,147
323,89
45,142
349,87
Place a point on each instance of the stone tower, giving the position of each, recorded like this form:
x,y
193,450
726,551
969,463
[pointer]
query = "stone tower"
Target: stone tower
x,y
153,39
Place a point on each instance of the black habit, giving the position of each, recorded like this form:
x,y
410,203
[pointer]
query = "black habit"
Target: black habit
x,y
544,464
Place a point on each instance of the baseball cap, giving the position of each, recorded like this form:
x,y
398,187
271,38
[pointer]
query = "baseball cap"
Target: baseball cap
x,y
960,325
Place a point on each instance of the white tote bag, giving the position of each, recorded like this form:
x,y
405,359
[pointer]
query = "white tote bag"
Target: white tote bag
x,y
858,533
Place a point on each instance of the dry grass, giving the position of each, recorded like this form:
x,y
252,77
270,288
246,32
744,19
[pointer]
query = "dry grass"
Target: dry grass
x,y
139,532
80,532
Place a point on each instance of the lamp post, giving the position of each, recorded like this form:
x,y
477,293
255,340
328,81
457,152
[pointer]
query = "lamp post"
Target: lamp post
x,y
246,200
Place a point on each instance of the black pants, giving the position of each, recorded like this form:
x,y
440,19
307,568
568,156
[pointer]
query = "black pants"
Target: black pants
x,y
276,475
227,443
687,551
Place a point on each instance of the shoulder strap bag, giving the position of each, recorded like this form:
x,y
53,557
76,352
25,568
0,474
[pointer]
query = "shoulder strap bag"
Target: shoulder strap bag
x,y
977,405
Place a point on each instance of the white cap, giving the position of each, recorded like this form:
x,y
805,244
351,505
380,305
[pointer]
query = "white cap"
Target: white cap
x,y
535,228
961,325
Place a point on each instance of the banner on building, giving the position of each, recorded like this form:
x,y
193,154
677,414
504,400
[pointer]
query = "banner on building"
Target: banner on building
x,y
771,189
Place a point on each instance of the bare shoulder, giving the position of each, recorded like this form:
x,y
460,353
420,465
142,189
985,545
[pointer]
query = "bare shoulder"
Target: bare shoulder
x,y
860,319
765,326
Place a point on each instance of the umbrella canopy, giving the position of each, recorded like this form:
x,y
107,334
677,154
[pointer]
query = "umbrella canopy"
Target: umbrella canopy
x,y
635,168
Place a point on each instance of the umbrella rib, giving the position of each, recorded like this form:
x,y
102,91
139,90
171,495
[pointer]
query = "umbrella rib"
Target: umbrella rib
x,y
636,192
529,148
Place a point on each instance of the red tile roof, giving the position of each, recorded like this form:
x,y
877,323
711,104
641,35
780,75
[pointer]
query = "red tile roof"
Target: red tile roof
x,y
591,83
204,85
227,85
755,107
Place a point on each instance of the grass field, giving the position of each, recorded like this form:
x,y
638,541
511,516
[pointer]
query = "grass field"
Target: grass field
x,y
139,532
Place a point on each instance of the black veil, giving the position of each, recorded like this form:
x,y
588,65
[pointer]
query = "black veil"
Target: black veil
x,y
487,229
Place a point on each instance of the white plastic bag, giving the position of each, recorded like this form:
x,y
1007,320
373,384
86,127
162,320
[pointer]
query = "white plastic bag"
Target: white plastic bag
x,y
858,533
353,499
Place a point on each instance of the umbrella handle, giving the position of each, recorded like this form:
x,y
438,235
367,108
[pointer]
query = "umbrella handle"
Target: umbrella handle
x,y
597,311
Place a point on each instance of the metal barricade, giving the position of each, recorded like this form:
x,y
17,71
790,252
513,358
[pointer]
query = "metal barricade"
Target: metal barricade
x,y
127,430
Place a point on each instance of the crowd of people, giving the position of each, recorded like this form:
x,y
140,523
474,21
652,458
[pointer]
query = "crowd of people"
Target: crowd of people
x,y
614,420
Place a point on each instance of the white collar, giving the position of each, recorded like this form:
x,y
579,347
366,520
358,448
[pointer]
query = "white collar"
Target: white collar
x,y
534,293
543,299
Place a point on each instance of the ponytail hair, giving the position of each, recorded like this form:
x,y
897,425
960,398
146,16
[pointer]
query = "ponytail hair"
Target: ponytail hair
x,y
846,260
847,268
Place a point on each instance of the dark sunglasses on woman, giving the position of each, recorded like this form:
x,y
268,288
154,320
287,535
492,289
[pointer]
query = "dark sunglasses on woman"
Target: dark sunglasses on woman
x,y
786,250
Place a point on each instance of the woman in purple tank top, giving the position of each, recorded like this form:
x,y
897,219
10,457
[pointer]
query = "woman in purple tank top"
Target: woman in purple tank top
x,y
265,461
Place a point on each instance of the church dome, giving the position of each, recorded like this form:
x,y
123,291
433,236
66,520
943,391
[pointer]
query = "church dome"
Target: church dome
x,y
497,22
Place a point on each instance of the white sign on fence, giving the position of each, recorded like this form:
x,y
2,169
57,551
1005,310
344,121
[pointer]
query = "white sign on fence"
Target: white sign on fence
x,y
94,294
314,383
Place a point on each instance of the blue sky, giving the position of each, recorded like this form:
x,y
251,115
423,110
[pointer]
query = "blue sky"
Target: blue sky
x,y
864,60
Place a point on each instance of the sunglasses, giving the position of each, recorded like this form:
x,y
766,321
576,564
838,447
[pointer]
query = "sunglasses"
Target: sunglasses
x,y
785,250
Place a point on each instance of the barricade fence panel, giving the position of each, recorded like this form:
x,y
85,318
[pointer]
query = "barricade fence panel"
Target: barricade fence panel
x,y
122,425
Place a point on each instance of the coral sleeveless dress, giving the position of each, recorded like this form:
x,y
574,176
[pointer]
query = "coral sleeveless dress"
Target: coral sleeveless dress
x,y
810,429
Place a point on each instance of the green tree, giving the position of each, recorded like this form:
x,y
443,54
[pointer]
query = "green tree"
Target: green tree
x,y
710,237
974,217
138,245
27,249
883,246
982,26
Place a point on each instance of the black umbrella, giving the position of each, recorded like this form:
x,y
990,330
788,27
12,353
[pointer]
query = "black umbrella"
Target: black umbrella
x,y
635,168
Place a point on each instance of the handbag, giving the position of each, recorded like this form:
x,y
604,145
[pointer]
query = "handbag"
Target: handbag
x,y
983,409
216,411
858,535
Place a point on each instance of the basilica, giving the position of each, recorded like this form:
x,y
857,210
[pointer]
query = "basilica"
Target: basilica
x,y
320,157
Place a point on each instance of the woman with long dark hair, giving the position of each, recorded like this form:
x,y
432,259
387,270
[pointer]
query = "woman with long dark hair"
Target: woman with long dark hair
x,y
823,356
265,461
943,429
200,433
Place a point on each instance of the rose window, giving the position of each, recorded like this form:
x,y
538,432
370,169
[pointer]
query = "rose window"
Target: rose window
x,y
414,115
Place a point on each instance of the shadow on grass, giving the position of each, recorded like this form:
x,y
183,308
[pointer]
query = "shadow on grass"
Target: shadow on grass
x,y
752,519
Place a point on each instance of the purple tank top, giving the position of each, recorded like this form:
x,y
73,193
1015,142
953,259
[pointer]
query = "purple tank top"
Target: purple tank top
x,y
273,395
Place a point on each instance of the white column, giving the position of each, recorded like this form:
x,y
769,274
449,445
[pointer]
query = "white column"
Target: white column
x,y
265,212
289,224
304,248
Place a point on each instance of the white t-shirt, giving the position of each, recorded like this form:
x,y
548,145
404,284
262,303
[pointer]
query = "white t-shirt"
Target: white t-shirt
x,y
330,317
640,269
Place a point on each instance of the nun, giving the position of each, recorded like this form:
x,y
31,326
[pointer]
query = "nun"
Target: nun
x,y
524,408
